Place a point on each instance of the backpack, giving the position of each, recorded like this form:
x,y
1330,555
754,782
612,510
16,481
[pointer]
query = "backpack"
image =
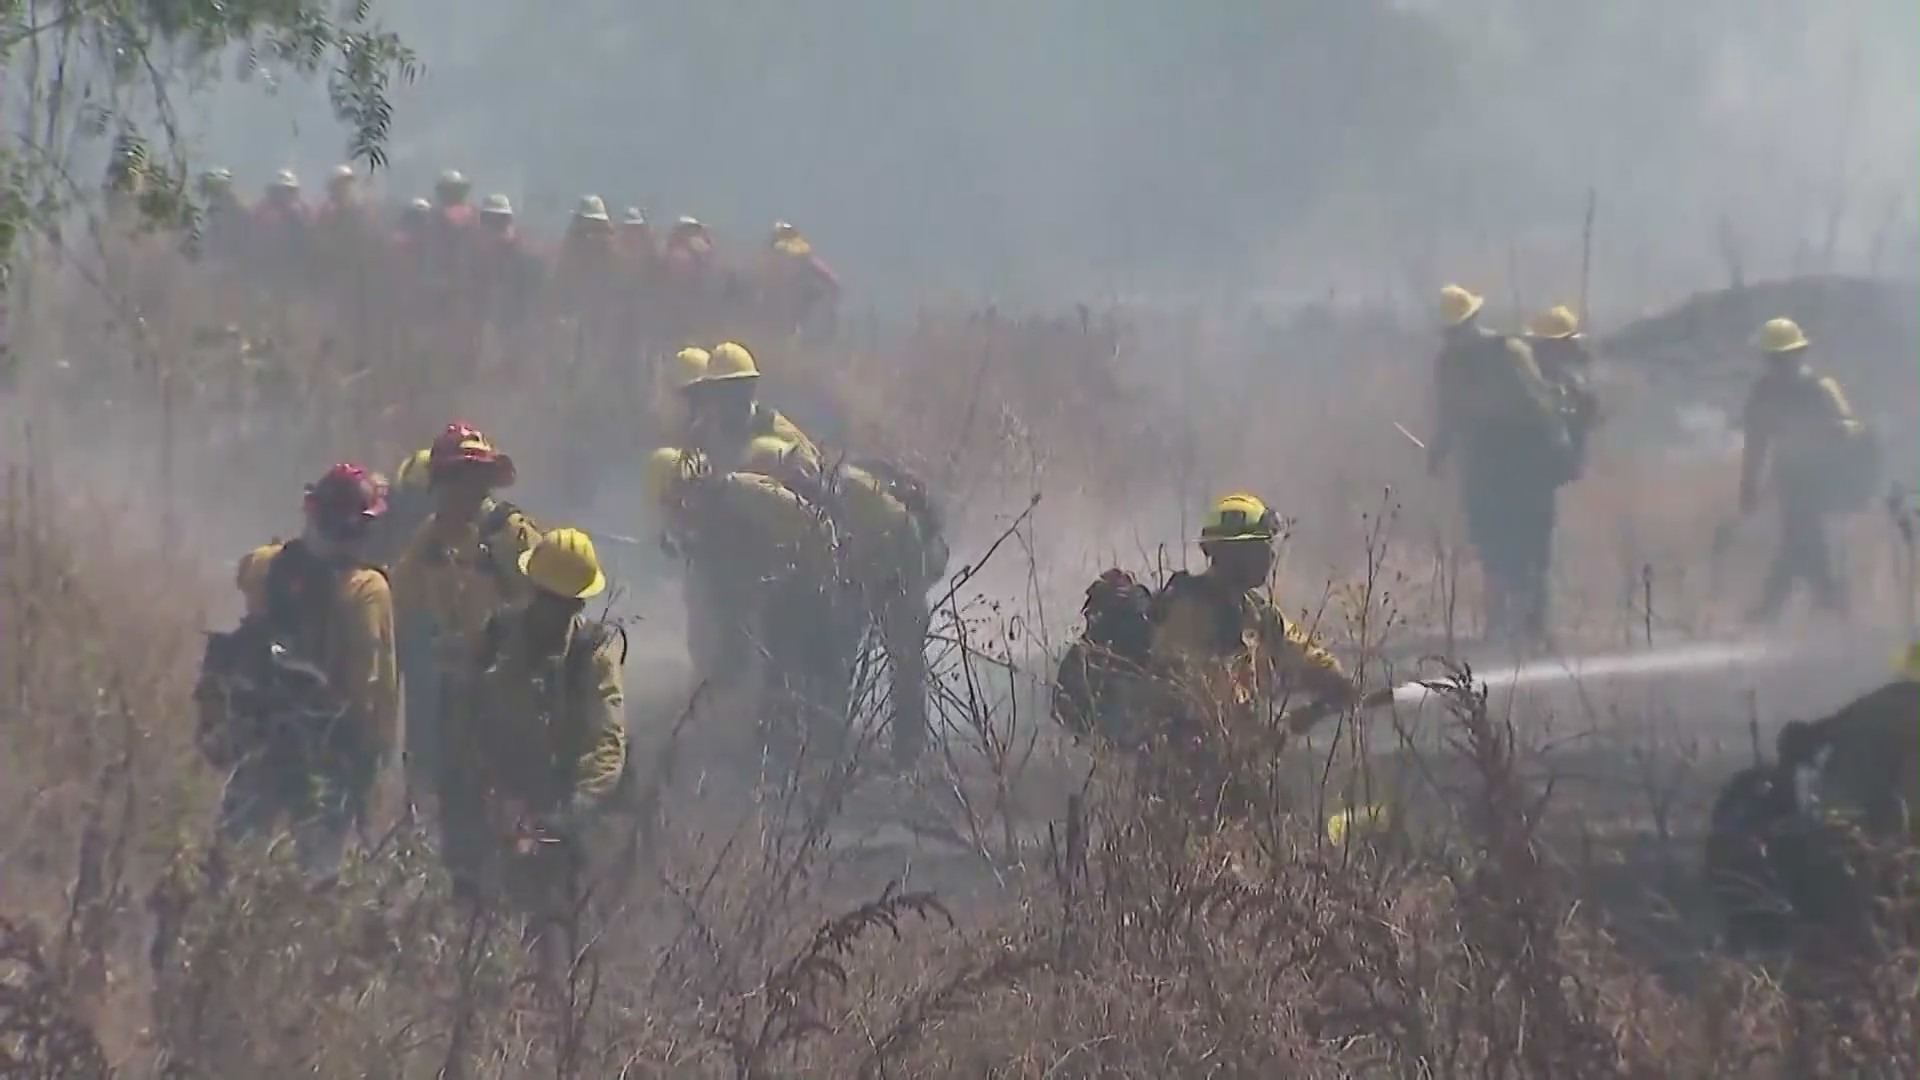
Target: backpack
x,y
1488,378
912,493
259,689
1094,673
1228,617
588,637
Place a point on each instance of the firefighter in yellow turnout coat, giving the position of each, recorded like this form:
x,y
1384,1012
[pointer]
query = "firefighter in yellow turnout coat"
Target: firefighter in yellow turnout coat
x,y
537,733
761,560
301,702
1802,434
459,567
1194,676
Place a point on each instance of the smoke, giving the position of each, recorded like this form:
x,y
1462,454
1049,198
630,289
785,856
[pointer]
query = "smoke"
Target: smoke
x,y
1095,146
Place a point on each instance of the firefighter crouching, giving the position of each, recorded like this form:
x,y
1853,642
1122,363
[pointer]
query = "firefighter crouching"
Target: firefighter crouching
x,y
301,701
460,566
542,746
1195,674
1790,846
762,562
892,552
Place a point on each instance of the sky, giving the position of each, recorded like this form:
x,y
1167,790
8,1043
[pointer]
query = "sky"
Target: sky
x,y
1036,152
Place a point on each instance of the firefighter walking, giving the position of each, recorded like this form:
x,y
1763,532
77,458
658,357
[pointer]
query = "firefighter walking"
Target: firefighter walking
x,y
461,566
301,702
542,743
765,605
1492,402
1802,440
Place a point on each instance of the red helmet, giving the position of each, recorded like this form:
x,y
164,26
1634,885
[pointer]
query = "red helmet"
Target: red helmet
x,y
345,500
463,444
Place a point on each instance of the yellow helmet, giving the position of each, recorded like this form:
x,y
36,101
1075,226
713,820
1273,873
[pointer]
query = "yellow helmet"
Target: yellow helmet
x,y
1910,662
730,361
413,471
689,365
1556,323
1782,336
564,563
664,471
1457,304
1239,517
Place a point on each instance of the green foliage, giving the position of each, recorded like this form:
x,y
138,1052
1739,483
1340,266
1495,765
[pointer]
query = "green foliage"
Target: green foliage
x,y
111,73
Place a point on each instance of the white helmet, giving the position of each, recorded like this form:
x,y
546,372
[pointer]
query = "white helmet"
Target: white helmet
x,y
591,208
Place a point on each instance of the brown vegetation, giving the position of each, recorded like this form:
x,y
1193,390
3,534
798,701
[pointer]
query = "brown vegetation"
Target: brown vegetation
x,y
1095,935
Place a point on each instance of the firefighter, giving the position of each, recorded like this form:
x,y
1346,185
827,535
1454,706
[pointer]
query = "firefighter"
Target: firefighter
x,y
1784,868
343,207
1491,400
223,232
796,287
281,223
587,270
450,204
1213,659
461,566
543,742
764,607
411,242
444,241
1802,435
301,702
636,238
507,274
640,269
724,414
1567,365
669,405
1866,755
892,552
416,218
689,247
344,234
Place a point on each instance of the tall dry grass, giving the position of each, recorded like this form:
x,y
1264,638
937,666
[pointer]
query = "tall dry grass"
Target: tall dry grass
x,y
1132,942
1052,918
